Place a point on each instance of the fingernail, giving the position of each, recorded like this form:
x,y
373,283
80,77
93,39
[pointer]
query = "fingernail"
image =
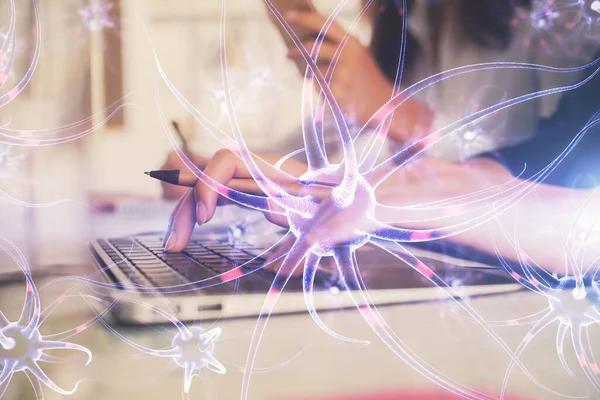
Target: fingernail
x,y
168,232
201,213
291,15
171,240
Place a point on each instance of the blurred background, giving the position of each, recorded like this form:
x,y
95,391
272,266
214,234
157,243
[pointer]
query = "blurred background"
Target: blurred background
x,y
98,52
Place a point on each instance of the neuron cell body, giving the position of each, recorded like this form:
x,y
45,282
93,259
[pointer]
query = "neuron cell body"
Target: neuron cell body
x,y
340,218
22,346
590,10
196,348
192,348
96,16
576,305
544,18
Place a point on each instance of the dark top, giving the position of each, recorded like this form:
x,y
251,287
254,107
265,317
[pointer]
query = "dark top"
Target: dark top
x,y
581,168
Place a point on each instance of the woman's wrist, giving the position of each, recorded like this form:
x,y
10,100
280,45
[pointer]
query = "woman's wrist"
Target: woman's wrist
x,y
539,227
412,121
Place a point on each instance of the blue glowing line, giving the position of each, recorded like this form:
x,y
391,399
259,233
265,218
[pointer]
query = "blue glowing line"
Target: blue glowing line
x,y
397,161
431,276
218,134
398,234
310,269
372,154
191,348
273,191
8,97
27,138
33,138
315,225
282,276
8,47
574,302
21,344
348,271
314,144
247,268
252,201
348,183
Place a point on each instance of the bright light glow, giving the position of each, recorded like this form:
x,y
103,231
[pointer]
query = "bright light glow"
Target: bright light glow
x,y
573,299
344,219
469,135
565,26
195,352
191,348
96,15
22,346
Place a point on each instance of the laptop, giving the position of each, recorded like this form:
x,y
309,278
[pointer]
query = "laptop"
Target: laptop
x,y
140,275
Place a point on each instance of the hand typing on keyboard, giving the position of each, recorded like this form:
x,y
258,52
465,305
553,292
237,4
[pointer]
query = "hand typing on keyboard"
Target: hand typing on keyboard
x,y
197,206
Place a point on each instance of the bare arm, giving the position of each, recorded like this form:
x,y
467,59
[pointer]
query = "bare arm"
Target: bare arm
x,y
544,222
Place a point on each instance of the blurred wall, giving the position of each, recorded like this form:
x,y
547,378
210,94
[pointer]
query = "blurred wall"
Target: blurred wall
x,y
185,35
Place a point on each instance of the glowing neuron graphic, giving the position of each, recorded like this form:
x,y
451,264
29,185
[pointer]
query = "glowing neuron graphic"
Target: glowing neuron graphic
x,y
10,161
96,15
482,135
573,297
566,25
86,18
42,137
22,346
24,138
348,216
191,349
5,68
544,15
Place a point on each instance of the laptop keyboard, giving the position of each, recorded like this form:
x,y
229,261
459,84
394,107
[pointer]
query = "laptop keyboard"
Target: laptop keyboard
x,y
145,263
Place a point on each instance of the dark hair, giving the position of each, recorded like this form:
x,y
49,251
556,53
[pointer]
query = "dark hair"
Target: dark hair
x,y
485,22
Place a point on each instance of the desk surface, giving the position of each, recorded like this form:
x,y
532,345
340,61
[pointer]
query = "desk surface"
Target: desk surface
x,y
311,363
297,360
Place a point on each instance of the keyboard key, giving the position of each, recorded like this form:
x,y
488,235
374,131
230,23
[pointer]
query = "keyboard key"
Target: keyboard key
x,y
251,283
149,241
193,271
149,261
219,267
148,264
145,257
234,253
153,267
198,252
138,280
137,253
169,258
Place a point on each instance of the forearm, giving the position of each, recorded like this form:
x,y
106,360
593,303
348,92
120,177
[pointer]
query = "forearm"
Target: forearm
x,y
540,226
473,198
411,121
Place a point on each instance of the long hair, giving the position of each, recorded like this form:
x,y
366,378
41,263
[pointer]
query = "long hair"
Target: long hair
x,y
484,22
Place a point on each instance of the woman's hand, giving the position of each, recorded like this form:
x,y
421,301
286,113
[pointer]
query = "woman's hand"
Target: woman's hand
x,y
427,180
172,192
543,212
357,83
424,180
198,205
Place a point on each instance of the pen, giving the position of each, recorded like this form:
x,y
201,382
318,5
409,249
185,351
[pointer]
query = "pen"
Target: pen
x,y
184,143
246,185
